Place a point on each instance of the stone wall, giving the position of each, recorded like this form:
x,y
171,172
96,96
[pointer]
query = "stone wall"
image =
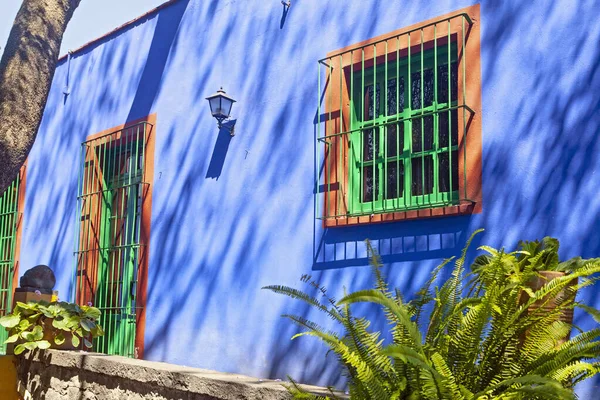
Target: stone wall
x,y
69,375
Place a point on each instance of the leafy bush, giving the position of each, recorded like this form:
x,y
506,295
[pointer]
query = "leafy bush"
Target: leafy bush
x,y
536,256
39,325
475,344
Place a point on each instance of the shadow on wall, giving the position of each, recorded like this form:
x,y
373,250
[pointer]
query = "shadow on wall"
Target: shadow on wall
x,y
396,242
167,27
217,160
286,10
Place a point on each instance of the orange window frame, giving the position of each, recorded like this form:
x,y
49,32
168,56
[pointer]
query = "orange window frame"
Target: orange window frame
x,y
337,113
19,233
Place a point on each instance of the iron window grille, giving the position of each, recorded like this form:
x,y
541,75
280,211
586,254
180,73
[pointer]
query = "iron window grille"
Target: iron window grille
x,y
392,124
10,218
110,248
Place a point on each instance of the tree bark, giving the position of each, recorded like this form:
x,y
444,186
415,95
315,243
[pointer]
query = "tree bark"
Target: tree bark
x,y
26,72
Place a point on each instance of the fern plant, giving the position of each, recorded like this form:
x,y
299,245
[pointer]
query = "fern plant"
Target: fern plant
x,y
473,346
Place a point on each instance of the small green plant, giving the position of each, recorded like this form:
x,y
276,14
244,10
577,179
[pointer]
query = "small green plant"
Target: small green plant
x,y
39,325
460,341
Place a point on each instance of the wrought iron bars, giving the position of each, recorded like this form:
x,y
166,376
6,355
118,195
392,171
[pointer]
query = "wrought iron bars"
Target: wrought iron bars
x,y
9,220
109,245
392,123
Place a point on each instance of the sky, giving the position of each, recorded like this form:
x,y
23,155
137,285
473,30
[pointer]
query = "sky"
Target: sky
x,y
92,19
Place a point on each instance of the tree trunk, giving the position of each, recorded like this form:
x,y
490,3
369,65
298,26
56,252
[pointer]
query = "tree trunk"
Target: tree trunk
x,y
26,72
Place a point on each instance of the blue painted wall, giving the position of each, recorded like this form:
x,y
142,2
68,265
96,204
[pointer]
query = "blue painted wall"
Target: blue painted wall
x,y
233,215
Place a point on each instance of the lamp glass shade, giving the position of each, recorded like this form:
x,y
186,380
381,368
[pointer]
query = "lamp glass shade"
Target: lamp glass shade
x,y
215,106
226,105
220,104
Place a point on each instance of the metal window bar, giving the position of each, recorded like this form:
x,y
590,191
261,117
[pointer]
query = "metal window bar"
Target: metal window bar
x,y
9,220
353,144
109,247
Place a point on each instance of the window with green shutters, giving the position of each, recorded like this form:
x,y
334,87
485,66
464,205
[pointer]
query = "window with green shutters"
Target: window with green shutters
x,y
398,127
111,246
407,136
9,224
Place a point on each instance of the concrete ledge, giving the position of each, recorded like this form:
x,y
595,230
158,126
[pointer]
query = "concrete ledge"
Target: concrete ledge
x,y
54,374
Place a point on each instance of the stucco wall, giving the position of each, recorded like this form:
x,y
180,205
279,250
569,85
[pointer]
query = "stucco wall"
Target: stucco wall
x,y
231,215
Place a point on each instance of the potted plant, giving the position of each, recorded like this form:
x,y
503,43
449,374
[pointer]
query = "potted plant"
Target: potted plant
x,y
60,325
536,263
541,258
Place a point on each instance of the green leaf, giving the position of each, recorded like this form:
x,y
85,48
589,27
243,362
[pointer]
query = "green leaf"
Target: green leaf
x,y
28,336
19,349
59,339
24,324
30,345
91,312
61,324
33,318
10,321
38,333
496,308
75,341
87,324
97,331
12,339
47,312
42,344
87,343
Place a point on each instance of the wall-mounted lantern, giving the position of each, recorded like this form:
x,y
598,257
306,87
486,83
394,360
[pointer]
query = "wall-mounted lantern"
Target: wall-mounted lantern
x,y
220,107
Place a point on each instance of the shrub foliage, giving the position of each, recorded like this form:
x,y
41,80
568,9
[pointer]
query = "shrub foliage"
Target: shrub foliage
x,y
479,339
41,325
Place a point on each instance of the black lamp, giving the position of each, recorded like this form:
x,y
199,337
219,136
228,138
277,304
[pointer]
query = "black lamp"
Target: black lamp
x,y
220,106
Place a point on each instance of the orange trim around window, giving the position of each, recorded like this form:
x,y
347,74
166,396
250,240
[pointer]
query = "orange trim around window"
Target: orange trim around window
x,y
336,121
18,237
145,223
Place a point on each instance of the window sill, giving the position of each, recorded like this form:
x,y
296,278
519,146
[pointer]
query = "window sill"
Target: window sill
x,y
465,208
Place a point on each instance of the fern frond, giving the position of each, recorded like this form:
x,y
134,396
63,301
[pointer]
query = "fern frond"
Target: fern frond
x,y
299,393
399,311
578,348
513,384
313,328
423,296
449,381
594,313
577,370
547,391
369,347
375,263
300,295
